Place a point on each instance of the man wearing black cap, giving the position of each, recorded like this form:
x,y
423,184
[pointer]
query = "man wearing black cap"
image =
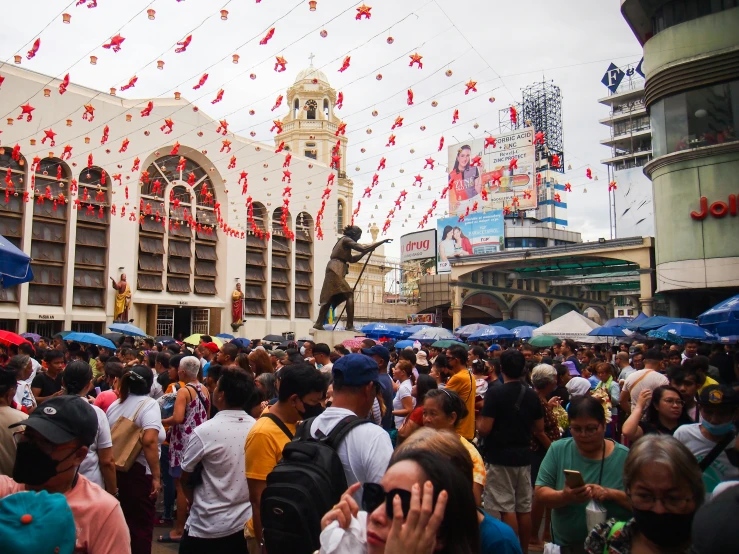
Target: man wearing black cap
x,y
50,450
714,438
365,452
381,355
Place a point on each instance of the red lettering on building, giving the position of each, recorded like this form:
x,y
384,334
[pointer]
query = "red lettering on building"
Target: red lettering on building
x,y
717,209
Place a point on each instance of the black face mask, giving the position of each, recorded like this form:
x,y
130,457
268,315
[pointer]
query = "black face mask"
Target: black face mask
x,y
667,529
33,466
311,410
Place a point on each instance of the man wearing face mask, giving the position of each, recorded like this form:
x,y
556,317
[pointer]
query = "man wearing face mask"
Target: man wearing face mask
x,y
50,450
366,450
713,441
300,393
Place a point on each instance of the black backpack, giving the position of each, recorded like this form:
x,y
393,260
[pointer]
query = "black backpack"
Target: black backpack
x,y
302,487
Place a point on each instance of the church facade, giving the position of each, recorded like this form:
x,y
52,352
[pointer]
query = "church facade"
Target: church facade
x,y
161,197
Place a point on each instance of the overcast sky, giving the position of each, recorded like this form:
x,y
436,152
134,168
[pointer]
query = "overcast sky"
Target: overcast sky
x,y
504,46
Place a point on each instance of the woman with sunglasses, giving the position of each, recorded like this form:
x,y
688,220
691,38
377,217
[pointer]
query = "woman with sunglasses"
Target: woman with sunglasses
x,y
423,504
665,412
600,463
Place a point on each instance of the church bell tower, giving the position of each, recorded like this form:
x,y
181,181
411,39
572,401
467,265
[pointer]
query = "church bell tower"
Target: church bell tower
x,y
309,130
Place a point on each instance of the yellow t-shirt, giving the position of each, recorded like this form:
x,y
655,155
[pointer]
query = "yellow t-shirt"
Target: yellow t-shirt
x,y
709,381
463,384
479,475
263,448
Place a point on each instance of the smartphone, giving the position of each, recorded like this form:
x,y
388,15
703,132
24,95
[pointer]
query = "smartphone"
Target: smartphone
x,y
574,479
97,390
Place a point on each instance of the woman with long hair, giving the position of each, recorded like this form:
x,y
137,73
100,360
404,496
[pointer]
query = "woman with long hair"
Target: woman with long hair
x,y
139,486
99,465
403,401
443,409
446,244
259,362
465,180
423,504
665,412
414,421
462,245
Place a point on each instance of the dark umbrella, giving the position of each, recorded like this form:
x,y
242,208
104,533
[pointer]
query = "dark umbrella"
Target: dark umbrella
x,y
241,343
115,337
162,338
513,323
273,338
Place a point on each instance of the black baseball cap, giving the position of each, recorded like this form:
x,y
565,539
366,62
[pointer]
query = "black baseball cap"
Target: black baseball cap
x,y
62,419
718,395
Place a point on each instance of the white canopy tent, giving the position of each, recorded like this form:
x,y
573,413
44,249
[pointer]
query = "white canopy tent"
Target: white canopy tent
x,y
573,326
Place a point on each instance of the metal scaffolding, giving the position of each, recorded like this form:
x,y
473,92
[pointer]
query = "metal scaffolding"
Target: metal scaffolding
x,y
540,108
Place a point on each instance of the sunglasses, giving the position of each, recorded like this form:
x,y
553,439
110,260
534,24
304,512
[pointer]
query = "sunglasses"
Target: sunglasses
x,y
374,495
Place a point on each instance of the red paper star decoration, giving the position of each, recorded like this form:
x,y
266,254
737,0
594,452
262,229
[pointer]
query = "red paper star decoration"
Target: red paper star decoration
x,y
363,10
588,173
280,63
471,86
416,58
26,110
115,43
612,186
513,165
490,141
50,134
476,161
539,138
398,123
429,163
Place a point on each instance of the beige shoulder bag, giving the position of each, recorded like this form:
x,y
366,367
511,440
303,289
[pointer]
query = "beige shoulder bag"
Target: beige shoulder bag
x,y
126,437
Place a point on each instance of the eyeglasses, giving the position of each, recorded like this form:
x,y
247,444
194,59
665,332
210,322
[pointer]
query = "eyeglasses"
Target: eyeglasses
x,y
374,495
673,401
646,501
588,431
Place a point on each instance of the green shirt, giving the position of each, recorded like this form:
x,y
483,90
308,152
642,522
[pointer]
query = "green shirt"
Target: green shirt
x,y
568,523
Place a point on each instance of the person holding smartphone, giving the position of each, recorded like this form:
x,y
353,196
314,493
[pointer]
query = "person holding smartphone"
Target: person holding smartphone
x,y
599,463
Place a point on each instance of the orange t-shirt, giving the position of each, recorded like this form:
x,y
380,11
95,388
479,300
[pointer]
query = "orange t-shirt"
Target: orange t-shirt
x,y
101,527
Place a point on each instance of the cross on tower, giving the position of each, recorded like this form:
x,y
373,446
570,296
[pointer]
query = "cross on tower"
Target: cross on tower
x,y
312,55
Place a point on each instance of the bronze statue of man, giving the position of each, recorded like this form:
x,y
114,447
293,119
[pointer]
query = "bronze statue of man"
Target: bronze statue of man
x,y
335,289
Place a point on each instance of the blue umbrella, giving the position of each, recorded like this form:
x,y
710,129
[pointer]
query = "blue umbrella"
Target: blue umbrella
x,y
607,332
492,332
404,344
127,329
408,331
241,342
652,323
432,334
618,322
513,323
466,330
90,338
377,330
33,336
523,332
225,336
684,331
723,318
15,265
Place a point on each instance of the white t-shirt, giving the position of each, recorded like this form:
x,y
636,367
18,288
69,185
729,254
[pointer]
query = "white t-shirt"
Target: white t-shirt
x,y
404,391
651,380
327,368
720,470
149,417
90,466
36,367
625,372
365,452
221,505
24,396
156,391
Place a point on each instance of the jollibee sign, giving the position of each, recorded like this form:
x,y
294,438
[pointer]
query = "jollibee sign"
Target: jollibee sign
x,y
418,246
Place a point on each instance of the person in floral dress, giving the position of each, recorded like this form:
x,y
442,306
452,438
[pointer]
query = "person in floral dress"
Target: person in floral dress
x,y
191,409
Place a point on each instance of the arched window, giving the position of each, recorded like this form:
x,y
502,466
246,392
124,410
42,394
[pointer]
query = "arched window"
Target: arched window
x,y
49,232
12,207
91,243
326,108
340,217
296,108
311,107
256,263
304,266
206,238
281,257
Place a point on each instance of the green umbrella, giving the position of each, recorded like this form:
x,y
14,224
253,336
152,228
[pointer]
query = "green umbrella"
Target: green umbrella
x,y
449,344
544,341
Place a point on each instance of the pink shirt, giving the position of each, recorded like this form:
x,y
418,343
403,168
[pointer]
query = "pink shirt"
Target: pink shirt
x,y
101,527
105,399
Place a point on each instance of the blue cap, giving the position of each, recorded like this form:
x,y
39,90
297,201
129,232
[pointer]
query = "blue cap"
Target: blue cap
x,y
494,347
357,369
36,522
378,350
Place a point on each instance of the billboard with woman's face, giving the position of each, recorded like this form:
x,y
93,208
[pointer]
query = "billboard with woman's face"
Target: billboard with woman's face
x,y
487,177
479,233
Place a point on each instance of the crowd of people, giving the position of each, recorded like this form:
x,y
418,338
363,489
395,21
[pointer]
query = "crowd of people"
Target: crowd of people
x,y
489,448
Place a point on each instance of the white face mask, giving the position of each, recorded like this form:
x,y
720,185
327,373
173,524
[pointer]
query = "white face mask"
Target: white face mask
x,y
302,350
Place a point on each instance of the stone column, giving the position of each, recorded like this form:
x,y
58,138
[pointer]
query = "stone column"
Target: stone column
x,y
645,293
646,306
506,314
456,291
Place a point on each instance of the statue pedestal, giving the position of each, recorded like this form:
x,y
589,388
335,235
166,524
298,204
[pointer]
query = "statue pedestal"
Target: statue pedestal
x,y
333,338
